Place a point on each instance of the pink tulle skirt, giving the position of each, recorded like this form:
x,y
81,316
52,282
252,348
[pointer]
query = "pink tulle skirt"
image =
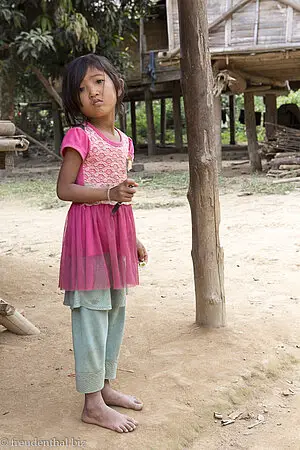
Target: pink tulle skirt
x,y
99,249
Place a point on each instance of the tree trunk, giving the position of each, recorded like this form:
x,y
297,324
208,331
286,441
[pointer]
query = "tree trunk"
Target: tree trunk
x,y
271,115
255,160
203,192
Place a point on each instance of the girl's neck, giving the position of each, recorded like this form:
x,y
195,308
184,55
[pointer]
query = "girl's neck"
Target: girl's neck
x,y
106,124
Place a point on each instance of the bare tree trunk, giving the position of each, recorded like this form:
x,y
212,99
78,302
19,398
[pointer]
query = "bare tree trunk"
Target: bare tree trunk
x,y
203,194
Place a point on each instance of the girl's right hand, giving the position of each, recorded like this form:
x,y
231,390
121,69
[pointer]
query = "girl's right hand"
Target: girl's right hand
x,y
124,191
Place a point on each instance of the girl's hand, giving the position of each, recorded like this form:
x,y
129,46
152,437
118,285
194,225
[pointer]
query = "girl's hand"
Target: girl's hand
x,y
142,252
124,191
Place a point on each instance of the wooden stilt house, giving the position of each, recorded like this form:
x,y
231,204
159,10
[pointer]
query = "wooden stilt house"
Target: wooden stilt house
x,y
255,50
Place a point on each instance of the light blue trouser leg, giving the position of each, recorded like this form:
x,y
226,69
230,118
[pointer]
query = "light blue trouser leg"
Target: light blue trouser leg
x,y
97,337
116,322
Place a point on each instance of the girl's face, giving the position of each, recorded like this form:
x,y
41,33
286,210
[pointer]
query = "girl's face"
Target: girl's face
x,y
97,94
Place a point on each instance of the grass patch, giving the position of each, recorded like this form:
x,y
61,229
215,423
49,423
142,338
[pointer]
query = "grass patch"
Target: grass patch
x,y
154,205
42,191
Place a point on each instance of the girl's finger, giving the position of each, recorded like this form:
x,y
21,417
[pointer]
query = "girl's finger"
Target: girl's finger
x,y
131,182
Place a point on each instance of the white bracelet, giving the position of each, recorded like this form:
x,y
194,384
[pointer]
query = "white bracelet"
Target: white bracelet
x,y
108,196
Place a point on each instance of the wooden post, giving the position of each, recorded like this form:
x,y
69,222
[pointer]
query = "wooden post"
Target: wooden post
x,y
271,115
133,122
150,123
232,119
142,46
57,127
217,130
255,160
203,193
163,121
122,118
177,116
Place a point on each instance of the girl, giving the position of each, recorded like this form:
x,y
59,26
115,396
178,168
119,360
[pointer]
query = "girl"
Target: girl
x,y
100,251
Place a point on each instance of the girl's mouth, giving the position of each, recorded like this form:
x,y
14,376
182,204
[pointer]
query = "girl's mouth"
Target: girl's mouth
x,y
97,101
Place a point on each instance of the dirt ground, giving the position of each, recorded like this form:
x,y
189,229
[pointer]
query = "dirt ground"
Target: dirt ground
x,y
182,373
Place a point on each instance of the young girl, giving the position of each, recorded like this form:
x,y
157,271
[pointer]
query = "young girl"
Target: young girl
x,y
100,252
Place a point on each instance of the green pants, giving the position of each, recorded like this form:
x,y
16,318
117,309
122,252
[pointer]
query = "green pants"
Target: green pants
x,y
97,337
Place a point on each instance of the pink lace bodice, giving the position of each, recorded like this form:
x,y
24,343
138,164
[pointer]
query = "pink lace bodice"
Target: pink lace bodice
x,y
104,161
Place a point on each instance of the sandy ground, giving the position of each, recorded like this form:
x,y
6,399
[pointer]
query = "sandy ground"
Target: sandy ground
x,y
182,373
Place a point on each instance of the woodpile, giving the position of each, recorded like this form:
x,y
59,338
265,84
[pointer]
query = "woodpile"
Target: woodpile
x,y
283,153
10,144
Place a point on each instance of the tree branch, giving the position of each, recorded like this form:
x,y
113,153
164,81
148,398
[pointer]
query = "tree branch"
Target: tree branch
x,y
50,89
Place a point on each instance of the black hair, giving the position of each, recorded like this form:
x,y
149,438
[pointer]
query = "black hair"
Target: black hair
x,y
73,76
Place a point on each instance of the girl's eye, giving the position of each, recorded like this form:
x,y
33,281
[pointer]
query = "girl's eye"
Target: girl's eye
x,y
81,89
100,81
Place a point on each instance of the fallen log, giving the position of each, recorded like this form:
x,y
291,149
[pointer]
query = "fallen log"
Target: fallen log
x,y
276,162
289,166
286,180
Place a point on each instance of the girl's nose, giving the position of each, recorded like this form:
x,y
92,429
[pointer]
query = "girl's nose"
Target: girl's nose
x,y
92,93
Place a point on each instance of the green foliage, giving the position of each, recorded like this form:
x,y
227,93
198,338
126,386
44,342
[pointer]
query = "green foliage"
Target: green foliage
x,y
33,44
50,33
292,97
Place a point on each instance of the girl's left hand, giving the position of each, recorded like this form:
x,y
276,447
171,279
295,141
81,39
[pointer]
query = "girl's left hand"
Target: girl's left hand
x,y
142,252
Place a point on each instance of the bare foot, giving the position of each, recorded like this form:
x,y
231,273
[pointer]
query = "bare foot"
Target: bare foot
x,y
97,412
115,398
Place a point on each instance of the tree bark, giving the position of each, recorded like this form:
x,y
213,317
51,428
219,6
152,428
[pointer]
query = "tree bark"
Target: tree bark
x,y
255,160
203,192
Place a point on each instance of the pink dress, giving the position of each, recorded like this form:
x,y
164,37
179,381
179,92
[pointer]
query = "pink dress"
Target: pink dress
x,y
99,249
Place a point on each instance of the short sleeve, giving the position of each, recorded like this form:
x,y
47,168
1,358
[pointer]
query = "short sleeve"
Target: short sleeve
x,y
131,149
77,139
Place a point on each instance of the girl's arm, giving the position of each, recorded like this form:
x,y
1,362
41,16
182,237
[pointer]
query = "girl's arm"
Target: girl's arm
x,y
69,191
